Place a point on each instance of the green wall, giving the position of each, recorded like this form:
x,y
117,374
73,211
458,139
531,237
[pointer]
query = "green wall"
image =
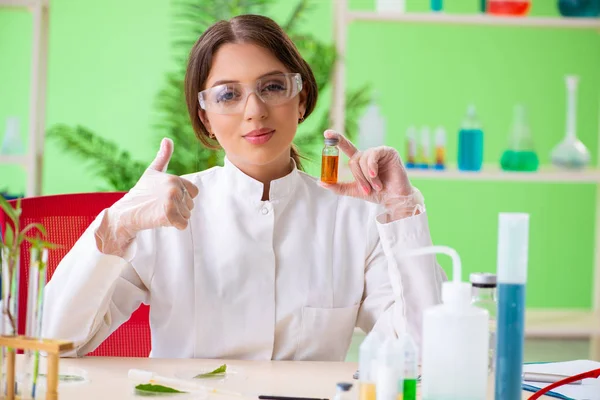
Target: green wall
x,y
107,62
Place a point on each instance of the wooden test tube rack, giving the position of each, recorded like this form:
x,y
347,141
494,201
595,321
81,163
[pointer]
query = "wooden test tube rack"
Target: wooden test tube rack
x,y
52,347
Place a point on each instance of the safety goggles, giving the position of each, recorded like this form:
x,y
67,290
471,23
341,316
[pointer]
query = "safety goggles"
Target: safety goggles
x,y
230,98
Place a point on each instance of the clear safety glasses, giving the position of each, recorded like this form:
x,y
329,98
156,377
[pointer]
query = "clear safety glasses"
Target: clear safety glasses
x,y
230,98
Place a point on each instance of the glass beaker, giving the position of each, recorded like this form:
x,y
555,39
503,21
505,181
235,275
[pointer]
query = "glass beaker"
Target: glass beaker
x,y
520,155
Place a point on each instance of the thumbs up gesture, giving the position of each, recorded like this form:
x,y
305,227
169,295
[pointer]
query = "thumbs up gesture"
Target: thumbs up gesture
x,y
157,200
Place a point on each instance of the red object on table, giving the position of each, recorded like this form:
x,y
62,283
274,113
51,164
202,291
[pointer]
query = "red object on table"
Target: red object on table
x,y
595,373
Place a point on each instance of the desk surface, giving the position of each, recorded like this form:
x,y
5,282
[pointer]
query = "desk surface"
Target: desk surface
x,y
108,377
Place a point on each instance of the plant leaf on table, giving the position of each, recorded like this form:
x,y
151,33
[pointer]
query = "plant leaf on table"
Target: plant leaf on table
x,y
219,371
151,388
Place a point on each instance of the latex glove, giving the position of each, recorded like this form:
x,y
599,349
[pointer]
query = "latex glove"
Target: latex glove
x,y
379,177
157,200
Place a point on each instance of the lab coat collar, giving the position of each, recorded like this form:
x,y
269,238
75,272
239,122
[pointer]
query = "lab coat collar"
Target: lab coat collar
x,y
252,189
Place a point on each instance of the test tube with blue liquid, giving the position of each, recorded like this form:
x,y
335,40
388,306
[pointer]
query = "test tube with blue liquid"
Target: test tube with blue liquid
x,y
513,246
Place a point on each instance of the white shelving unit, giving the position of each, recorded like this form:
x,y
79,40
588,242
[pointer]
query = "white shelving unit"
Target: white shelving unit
x,y
33,159
478,19
540,323
493,173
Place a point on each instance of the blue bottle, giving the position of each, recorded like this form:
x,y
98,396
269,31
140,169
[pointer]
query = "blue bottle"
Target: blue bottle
x,y
470,142
437,5
513,247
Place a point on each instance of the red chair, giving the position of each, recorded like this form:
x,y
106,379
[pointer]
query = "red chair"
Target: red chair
x,y
66,217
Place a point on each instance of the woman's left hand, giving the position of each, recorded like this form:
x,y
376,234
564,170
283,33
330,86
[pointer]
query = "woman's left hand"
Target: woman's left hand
x,y
379,177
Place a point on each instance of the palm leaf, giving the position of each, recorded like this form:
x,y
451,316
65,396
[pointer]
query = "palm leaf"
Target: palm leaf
x,y
103,156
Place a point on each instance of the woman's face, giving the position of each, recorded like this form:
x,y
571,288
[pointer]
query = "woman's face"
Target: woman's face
x,y
259,134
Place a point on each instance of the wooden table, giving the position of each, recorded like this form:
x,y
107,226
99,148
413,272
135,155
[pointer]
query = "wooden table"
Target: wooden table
x,y
108,377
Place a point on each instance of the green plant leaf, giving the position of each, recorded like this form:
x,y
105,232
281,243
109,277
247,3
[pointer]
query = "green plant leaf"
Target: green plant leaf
x,y
35,225
9,237
104,156
148,387
8,210
18,209
42,244
219,371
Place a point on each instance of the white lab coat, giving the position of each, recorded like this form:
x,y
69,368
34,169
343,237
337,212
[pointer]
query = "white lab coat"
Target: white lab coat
x,y
285,279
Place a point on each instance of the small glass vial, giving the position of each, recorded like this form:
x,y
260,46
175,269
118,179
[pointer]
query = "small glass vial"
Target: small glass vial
x,y
343,391
329,161
483,295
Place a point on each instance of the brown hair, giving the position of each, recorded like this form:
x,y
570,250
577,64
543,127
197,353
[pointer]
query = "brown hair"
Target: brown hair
x,y
255,29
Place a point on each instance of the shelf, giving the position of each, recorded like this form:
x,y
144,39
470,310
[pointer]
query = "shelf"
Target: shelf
x,y
561,324
493,173
22,3
9,159
475,19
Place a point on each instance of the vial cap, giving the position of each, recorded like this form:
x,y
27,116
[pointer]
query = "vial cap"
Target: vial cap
x,y
331,141
483,279
344,386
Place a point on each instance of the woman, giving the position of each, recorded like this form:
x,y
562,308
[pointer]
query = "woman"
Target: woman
x,y
255,259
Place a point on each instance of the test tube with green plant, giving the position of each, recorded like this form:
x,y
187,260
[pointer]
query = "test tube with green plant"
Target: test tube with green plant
x,y
10,251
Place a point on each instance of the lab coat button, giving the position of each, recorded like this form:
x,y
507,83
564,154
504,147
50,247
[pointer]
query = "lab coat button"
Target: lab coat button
x,y
264,211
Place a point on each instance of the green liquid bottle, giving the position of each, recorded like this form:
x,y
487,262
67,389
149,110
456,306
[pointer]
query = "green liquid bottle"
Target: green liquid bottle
x,y
520,155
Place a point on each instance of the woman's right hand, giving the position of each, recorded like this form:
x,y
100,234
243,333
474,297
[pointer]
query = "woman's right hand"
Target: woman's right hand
x,y
157,200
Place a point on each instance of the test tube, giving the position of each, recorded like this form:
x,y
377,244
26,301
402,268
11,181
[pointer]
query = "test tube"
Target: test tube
x,y
411,368
513,246
35,303
367,366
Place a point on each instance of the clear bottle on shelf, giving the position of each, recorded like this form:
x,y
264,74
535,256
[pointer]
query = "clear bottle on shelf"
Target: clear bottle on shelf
x,y
390,6
12,144
571,153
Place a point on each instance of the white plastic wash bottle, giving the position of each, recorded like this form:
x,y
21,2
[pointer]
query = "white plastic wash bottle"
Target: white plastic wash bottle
x,y
455,340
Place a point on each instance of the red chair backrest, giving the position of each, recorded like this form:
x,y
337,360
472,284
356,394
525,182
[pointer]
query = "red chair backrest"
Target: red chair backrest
x,y
65,218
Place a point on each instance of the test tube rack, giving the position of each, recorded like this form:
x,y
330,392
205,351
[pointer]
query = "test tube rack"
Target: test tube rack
x,y
53,348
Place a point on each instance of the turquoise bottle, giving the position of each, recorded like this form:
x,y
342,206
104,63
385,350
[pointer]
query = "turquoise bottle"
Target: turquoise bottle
x,y
470,142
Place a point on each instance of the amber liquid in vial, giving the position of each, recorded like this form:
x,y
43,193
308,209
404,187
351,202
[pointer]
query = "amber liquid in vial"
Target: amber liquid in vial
x,y
329,169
